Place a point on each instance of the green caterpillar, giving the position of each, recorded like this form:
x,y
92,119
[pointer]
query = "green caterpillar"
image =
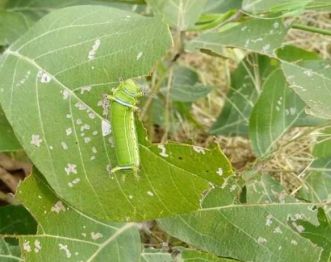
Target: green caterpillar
x,y
122,106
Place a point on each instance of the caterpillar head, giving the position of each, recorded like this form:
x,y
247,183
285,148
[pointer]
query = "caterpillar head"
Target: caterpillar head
x,y
131,89
127,92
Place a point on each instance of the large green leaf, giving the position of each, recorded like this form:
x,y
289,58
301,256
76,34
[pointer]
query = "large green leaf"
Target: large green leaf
x,y
8,141
276,110
313,84
261,36
181,14
246,80
63,137
65,233
249,232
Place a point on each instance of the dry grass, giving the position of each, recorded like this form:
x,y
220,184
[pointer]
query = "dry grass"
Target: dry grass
x,y
312,41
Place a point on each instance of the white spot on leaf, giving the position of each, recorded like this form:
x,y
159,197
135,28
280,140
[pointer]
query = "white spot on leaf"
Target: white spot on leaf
x,y
308,72
293,242
44,77
139,55
36,140
84,127
58,207
91,115
163,150
105,127
219,171
74,182
265,48
277,230
96,236
65,249
94,150
269,220
261,240
85,89
80,106
93,51
199,149
87,140
233,188
37,246
71,169
299,228
26,246
64,145
69,131
65,94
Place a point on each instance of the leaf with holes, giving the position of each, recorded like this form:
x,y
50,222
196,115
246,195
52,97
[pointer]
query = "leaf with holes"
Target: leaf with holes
x,y
80,238
248,232
60,82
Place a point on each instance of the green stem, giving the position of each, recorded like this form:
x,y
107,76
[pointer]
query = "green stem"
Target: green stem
x,y
168,106
311,29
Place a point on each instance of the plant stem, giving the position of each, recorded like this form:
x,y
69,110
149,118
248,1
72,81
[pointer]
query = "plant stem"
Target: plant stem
x,y
168,106
311,29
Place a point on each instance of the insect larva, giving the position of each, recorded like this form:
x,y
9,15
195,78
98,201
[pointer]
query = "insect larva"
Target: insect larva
x,y
122,106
